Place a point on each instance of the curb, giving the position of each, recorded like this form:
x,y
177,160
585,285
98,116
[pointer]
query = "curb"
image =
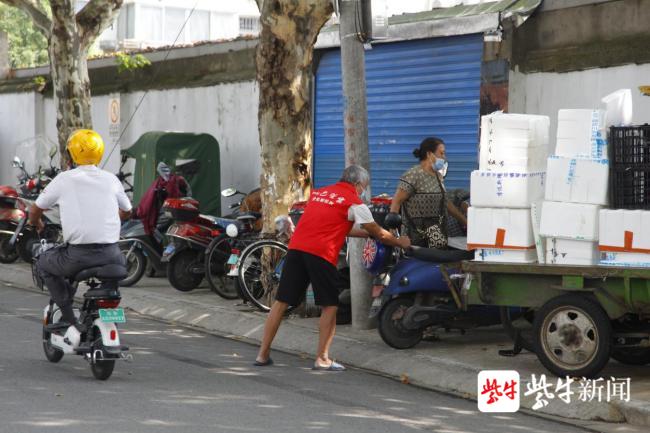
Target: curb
x,y
438,373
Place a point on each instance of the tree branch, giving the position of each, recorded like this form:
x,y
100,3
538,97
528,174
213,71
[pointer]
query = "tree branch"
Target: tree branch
x,y
33,8
95,17
260,3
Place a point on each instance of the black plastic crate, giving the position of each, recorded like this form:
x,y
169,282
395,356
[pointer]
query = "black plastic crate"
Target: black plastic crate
x,y
630,145
630,187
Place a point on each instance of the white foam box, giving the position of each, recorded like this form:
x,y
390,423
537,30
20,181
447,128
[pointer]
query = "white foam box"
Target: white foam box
x,y
505,256
569,221
636,260
624,231
540,242
499,228
581,133
512,190
571,252
513,142
577,180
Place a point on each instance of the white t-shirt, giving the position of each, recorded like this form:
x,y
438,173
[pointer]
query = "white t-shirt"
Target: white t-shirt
x,y
360,214
88,199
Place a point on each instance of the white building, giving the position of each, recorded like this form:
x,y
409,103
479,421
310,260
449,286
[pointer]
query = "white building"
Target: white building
x,y
155,23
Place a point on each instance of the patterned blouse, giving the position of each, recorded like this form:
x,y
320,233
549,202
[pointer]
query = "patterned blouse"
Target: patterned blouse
x,y
426,205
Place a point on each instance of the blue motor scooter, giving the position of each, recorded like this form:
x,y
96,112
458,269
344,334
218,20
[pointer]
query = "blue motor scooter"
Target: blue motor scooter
x,y
419,290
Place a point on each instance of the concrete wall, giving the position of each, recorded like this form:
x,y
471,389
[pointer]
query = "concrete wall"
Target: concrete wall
x,y
18,122
226,111
546,93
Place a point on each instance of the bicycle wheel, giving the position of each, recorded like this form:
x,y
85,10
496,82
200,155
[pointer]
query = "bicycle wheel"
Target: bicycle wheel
x,y
260,267
216,268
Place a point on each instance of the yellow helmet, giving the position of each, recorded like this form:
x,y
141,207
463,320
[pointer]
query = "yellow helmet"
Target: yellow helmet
x,y
86,147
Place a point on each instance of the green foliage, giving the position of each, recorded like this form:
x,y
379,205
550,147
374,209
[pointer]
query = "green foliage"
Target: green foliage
x,y
126,62
27,46
40,80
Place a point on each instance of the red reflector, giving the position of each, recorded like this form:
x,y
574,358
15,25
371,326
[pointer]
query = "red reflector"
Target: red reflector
x,y
113,335
31,184
234,251
108,303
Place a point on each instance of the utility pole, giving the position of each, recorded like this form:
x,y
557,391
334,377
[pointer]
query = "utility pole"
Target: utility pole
x,y
355,122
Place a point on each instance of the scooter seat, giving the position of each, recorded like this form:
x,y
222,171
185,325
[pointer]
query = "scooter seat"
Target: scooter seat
x,y
112,272
100,293
440,256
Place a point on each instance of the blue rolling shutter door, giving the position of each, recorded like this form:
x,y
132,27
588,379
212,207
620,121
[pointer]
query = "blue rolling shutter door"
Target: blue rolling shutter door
x,y
415,89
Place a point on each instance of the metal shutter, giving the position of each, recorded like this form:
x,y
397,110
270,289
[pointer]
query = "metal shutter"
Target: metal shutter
x,y
415,89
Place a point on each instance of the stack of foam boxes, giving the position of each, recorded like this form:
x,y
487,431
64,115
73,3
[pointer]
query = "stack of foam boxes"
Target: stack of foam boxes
x,y
513,152
625,237
576,189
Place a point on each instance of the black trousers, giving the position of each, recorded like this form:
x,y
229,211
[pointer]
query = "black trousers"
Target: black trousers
x,y
58,264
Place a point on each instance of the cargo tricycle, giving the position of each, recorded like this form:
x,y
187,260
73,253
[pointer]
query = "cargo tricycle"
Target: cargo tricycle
x,y
583,315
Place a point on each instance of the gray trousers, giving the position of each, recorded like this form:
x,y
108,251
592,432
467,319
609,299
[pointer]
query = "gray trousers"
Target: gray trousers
x,y
58,264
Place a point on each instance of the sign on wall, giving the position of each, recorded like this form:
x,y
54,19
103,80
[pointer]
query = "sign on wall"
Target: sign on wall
x,y
114,117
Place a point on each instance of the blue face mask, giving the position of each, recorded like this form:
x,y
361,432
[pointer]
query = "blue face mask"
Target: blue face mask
x,y
440,164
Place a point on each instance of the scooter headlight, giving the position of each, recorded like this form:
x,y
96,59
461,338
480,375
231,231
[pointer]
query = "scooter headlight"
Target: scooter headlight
x,y
232,230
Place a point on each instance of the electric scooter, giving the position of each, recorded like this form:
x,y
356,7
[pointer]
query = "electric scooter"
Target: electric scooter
x,y
99,342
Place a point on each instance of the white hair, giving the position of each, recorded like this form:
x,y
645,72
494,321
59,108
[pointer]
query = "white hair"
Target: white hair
x,y
355,174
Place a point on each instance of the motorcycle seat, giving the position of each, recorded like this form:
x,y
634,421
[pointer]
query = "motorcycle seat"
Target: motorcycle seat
x,y
102,293
218,221
111,272
440,256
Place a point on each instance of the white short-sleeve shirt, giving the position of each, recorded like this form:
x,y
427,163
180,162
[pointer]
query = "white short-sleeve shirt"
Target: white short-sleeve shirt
x,y
360,214
88,199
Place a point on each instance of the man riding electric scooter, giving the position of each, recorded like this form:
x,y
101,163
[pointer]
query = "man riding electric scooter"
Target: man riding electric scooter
x,y
91,202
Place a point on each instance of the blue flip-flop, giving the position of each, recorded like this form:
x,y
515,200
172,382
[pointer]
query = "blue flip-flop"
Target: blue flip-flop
x,y
334,366
266,363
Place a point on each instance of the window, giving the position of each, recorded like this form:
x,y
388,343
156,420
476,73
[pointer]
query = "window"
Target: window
x,y
174,20
199,26
249,25
149,21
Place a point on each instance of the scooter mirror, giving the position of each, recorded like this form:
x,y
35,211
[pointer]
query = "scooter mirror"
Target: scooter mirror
x,y
52,152
229,192
16,162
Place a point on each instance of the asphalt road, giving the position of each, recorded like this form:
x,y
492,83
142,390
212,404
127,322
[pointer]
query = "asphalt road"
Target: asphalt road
x,y
182,380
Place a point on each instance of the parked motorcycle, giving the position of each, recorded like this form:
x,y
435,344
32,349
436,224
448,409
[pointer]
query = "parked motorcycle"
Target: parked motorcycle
x,y
30,186
421,290
144,253
12,210
140,252
189,236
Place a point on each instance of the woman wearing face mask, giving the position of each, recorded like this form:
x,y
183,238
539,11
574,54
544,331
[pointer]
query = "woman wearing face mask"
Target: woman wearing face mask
x,y
421,197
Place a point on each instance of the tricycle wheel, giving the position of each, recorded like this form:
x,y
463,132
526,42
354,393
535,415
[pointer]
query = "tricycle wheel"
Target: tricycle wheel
x,y
522,332
632,355
391,329
573,336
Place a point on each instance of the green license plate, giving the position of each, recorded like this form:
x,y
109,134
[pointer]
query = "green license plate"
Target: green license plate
x,y
112,315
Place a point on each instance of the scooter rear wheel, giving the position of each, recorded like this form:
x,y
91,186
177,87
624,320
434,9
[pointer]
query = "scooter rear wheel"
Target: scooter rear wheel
x,y
390,326
51,353
179,273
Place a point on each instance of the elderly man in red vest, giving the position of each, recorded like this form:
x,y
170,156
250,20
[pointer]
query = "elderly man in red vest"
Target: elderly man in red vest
x,y
332,213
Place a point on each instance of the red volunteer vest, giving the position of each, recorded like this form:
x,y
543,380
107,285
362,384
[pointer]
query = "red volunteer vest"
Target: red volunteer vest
x,y
324,225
